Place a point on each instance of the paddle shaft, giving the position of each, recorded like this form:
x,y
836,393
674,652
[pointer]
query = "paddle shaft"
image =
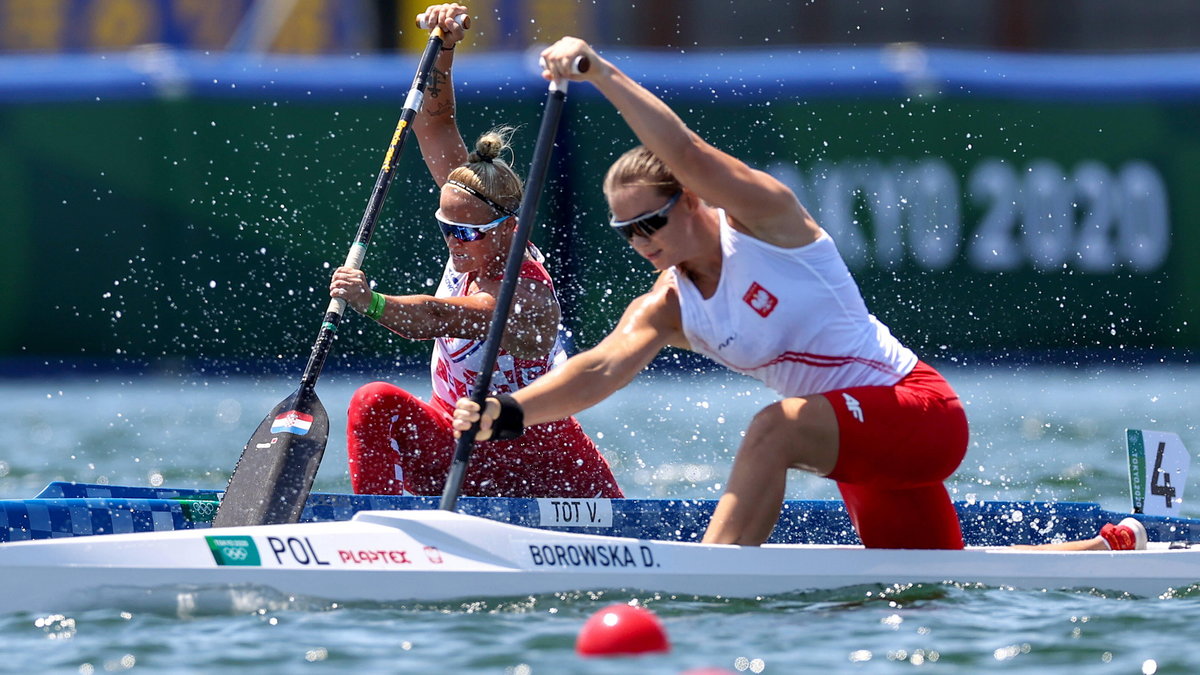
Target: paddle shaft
x,y
555,98
358,249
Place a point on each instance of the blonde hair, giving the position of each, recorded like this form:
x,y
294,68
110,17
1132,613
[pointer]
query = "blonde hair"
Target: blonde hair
x,y
639,166
491,176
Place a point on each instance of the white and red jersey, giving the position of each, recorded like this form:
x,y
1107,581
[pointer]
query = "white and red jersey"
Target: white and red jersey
x,y
790,317
455,364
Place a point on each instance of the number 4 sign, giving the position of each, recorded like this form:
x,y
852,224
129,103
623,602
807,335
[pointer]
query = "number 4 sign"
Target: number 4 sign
x,y
1158,466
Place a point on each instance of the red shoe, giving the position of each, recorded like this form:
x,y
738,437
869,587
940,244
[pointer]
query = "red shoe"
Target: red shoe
x,y
1127,535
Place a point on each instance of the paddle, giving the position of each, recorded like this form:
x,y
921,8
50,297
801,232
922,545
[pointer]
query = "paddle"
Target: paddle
x,y
555,98
273,477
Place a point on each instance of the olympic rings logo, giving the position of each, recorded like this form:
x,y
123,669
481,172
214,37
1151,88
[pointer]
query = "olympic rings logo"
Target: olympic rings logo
x,y
234,553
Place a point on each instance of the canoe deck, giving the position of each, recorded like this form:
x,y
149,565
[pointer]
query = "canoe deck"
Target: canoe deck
x,y
435,556
65,509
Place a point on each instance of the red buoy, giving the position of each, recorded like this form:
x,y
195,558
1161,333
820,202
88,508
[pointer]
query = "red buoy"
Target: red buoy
x,y
622,629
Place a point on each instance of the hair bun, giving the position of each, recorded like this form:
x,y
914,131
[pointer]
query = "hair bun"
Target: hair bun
x,y
488,173
489,146
492,144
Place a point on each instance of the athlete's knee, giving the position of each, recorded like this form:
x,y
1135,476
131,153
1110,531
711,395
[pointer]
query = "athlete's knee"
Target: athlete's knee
x,y
373,395
764,447
785,433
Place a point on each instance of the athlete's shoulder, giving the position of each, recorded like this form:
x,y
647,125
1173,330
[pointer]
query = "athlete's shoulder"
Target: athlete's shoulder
x,y
658,308
665,288
532,269
788,229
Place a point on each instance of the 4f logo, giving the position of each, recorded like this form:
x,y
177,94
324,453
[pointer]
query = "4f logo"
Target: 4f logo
x,y
760,299
853,406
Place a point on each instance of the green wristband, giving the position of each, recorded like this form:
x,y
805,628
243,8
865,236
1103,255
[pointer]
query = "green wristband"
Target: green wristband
x,y
375,310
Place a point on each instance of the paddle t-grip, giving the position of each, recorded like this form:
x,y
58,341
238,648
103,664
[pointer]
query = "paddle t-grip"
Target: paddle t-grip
x,y
462,19
581,65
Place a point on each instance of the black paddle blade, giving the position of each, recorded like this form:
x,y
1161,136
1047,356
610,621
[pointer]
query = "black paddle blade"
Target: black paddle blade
x,y
275,473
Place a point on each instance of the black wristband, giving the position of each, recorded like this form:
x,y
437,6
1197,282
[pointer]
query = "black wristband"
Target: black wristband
x,y
450,48
511,422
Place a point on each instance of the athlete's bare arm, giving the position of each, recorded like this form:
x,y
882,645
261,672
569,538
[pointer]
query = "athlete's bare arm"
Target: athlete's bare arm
x,y
531,331
650,323
435,125
757,201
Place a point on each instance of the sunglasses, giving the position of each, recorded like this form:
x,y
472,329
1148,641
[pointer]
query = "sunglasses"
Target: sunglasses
x,y
648,223
467,231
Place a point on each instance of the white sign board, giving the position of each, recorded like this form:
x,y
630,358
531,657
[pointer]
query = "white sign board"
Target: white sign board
x,y
575,512
1158,468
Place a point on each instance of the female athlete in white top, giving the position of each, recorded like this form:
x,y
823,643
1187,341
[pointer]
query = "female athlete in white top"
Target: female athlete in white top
x,y
750,280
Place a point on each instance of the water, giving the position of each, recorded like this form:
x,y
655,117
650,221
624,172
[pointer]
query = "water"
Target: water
x,y
1037,433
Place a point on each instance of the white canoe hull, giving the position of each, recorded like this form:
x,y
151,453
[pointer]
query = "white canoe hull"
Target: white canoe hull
x,y
415,556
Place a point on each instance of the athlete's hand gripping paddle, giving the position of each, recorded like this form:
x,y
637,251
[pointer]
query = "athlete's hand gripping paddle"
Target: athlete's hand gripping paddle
x,y
555,98
275,473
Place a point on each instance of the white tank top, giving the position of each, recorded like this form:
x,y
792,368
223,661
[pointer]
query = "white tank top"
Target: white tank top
x,y
790,317
455,364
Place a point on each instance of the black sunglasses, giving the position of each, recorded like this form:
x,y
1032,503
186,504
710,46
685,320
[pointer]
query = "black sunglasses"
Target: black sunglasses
x,y
648,223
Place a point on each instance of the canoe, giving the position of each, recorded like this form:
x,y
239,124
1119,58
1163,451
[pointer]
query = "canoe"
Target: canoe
x,y
436,556
78,546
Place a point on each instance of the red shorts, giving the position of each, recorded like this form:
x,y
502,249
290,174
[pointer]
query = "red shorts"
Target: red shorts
x,y
397,442
896,446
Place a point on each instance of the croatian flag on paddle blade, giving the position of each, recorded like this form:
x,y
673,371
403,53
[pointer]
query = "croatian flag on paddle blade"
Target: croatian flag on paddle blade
x,y
292,422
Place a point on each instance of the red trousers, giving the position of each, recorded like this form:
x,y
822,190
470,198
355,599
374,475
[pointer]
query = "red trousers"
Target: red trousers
x,y
896,446
397,442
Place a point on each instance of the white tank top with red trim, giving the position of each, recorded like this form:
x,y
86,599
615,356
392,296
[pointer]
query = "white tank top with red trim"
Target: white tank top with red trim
x,y
455,364
790,317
